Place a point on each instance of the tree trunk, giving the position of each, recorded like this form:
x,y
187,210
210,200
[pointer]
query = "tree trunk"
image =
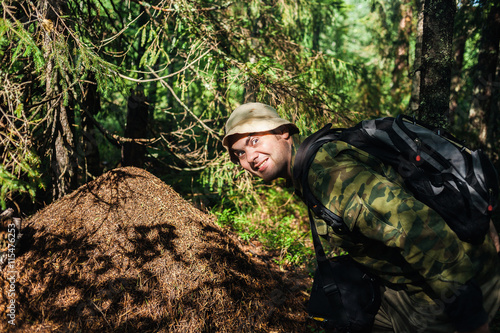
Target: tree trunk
x,y
251,86
92,105
63,158
486,85
416,77
317,25
401,65
436,61
133,153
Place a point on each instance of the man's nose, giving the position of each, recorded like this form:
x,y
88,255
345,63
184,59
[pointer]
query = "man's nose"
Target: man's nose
x,y
251,155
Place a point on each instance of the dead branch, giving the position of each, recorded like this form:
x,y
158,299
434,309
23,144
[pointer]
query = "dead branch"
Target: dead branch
x,y
166,85
158,78
118,140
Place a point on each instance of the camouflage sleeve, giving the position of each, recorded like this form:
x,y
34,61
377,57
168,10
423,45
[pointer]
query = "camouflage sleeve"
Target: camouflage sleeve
x,y
382,211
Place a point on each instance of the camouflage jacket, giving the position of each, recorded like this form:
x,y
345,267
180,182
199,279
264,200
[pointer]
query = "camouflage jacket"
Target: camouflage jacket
x,y
402,241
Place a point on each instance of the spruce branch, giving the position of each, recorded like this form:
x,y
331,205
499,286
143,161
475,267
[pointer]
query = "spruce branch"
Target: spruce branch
x,y
173,10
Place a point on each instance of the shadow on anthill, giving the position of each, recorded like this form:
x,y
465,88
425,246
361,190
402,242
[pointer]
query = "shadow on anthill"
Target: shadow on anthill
x,y
125,253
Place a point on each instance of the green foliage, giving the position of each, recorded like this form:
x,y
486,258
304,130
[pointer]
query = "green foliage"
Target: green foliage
x,y
25,46
270,215
19,172
24,177
289,240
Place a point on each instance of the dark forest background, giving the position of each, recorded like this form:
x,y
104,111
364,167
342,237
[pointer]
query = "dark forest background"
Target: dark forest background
x,y
88,86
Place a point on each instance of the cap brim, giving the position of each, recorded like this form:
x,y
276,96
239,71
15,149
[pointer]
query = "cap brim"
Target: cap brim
x,y
255,126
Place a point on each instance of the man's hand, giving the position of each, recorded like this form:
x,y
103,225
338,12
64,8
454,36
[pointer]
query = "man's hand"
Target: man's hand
x,y
481,329
494,236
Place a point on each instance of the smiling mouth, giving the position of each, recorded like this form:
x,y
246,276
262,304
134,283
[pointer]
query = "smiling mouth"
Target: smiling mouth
x,y
258,166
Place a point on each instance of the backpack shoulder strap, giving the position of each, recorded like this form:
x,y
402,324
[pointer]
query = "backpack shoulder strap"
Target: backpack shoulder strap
x,y
308,149
303,160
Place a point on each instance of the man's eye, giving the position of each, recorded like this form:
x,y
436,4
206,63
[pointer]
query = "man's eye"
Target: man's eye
x,y
254,141
239,153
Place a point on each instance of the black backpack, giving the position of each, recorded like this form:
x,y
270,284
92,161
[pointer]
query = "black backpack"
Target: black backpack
x,y
458,183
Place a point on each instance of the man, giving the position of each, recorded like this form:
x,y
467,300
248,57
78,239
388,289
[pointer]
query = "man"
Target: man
x,y
431,281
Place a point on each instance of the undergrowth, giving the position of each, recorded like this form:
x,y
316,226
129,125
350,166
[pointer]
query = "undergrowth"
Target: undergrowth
x,y
272,216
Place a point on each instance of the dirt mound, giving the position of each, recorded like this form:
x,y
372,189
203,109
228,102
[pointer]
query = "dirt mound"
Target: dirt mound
x,y
125,253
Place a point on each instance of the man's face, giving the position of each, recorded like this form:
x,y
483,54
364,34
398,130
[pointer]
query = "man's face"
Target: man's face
x,y
264,154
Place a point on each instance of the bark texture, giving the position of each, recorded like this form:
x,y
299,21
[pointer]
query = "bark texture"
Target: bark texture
x,y
436,61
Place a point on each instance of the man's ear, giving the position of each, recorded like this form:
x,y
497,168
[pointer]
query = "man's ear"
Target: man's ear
x,y
284,131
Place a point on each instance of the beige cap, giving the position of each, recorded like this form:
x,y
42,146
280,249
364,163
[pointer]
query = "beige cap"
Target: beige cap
x,y
253,118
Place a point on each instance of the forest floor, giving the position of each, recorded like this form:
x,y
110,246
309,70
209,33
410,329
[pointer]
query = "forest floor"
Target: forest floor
x,y
125,253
